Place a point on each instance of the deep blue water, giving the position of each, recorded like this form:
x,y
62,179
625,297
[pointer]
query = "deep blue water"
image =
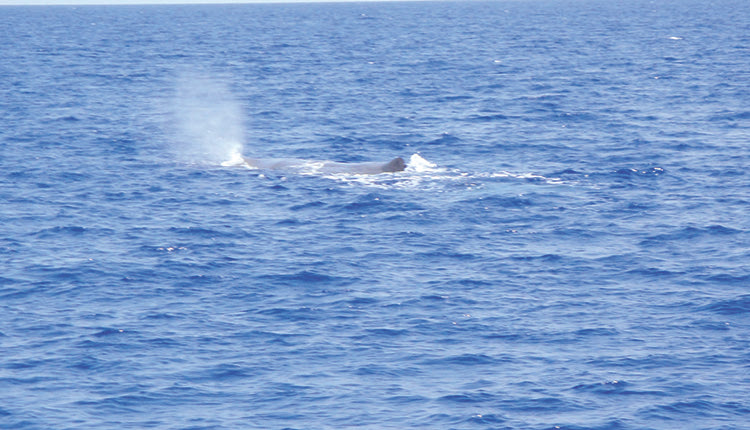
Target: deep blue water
x,y
577,256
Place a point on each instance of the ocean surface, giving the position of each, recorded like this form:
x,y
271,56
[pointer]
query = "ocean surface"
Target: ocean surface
x,y
568,248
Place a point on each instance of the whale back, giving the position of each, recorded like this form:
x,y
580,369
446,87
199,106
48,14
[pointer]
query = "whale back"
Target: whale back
x,y
396,165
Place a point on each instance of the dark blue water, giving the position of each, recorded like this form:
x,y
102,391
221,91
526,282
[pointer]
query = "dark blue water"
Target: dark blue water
x,y
569,249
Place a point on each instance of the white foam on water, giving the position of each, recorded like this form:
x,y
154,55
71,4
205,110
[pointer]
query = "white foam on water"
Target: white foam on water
x,y
235,159
418,164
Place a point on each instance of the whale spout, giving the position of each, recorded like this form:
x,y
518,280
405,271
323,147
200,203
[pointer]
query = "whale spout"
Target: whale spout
x,y
396,165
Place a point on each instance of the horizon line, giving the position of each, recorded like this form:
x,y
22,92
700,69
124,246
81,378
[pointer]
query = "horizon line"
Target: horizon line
x,y
181,2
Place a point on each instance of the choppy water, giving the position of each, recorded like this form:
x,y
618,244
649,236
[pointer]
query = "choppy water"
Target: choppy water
x,y
569,248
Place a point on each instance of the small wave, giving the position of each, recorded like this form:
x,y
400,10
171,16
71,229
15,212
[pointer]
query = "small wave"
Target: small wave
x,y
652,171
697,408
468,398
387,332
307,278
73,230
108,331
445,139
608,387
198,231
516,202
303,313
736,306
487,117
530,177
615,387
484,419
466,360
731,116
689,233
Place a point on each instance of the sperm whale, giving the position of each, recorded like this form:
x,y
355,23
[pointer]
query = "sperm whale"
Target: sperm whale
x,y
369,168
